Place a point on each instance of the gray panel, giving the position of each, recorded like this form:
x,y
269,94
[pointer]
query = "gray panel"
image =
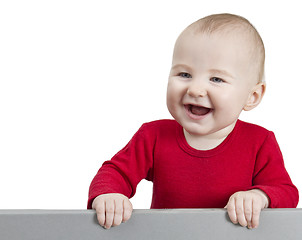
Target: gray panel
x,y
275,224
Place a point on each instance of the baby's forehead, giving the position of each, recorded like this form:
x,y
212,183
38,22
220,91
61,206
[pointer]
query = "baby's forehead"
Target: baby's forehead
x,y
239,33
227,25
236,39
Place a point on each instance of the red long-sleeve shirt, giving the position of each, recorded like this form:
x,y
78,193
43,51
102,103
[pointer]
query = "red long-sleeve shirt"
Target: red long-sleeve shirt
x,y
184,177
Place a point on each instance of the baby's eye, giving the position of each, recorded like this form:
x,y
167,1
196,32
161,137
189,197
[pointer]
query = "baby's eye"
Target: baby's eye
x,y
185,75
216,80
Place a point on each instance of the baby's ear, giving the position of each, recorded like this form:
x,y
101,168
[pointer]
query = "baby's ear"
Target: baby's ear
x,y
255,96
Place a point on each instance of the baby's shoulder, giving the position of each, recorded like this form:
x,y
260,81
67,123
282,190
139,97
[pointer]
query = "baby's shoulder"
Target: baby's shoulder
x,y
160,127
253,131
161,124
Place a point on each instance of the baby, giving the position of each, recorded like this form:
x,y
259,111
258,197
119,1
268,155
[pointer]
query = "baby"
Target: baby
x,y
206,157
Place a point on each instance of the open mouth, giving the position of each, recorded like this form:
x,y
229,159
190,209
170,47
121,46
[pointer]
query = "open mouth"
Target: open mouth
x,y
197,110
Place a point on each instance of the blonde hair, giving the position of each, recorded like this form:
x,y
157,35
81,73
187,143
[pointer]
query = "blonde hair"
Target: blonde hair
x,y
228,23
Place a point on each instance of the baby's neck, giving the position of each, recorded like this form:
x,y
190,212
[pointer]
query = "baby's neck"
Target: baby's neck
x,y
208,142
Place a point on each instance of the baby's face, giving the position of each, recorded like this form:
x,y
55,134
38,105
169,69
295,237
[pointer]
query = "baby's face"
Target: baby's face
x,y
210,82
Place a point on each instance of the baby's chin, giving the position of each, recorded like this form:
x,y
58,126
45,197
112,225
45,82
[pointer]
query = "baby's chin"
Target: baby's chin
x,y
195,130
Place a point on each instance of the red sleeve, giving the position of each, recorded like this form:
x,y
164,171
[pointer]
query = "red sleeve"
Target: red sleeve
x,y
127,168
271,176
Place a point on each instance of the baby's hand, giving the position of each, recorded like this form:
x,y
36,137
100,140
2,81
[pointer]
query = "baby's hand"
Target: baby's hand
x,y
245,207
112,209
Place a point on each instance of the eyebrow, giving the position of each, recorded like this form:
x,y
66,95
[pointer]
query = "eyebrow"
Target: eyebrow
x,y
221,72
180,66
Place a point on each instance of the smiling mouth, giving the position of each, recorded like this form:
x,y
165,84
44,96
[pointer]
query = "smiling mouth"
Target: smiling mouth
x,y
197,110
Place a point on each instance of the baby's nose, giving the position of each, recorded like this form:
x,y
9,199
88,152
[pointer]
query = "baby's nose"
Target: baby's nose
x,y
197,90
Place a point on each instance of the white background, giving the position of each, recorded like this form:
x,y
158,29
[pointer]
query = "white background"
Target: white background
x,y
78,78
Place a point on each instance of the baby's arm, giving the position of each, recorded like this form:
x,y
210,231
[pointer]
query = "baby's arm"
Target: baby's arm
x,y
245,207
112,209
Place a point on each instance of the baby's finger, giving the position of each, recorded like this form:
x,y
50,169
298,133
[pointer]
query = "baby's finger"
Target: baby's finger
x,y
248,211
109,206
232,211
127,210
100,211
256,215
118,212
240,211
